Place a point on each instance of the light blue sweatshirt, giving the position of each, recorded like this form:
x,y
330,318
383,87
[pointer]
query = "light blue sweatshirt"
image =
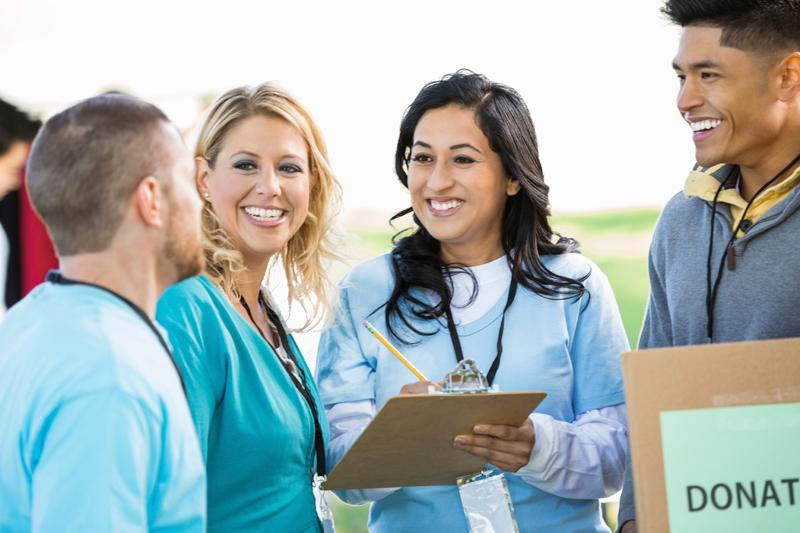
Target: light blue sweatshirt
x,y
568,348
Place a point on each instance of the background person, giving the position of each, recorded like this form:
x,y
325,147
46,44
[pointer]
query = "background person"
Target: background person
x,y
26,253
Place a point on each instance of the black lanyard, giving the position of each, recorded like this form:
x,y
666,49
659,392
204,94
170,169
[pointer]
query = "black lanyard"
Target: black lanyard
x,y
729,254
57,278
451,326
300,384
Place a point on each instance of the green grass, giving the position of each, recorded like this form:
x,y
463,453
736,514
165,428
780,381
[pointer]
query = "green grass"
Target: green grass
x,y
616,241
374,242
353,518
609,223
349,518
628,278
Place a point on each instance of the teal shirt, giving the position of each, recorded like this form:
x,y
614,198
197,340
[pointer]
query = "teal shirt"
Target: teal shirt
x,y
256,431
96,435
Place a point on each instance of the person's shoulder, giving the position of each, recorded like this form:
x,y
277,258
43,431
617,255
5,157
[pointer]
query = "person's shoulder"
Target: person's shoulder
x,y
678,207
573,265
194,289
369,284
375,274
63,315
75,343
683,206
29,329
680,216
578,267
187,299
25,310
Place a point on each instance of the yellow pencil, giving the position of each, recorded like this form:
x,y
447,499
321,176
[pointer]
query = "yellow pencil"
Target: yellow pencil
x,y
394,350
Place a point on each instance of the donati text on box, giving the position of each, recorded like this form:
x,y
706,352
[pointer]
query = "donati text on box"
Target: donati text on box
x,y
742,495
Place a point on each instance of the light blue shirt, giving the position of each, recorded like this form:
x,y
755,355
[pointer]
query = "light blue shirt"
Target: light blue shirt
x,y
96,432
568,348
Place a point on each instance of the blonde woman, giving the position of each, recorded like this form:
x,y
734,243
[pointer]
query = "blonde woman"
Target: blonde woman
x,y
269,193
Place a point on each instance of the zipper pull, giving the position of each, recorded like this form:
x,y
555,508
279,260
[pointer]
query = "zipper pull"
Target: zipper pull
x,y
730,254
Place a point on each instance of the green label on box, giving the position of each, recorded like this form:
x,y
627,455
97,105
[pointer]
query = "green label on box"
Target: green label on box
x,y
733,468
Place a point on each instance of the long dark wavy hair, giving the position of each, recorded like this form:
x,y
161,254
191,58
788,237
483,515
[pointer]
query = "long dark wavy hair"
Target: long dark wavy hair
x,y
526,234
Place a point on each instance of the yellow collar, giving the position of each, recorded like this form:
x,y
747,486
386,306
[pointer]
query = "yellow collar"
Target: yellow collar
x,y
702,184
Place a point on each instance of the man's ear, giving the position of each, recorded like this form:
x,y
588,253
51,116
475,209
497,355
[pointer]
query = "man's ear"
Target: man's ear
x,y
149,200
790,77
202,170
513,187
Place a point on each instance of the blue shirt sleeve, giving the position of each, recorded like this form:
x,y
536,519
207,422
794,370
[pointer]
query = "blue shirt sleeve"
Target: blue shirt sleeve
x,y
343,373
96,466
597,342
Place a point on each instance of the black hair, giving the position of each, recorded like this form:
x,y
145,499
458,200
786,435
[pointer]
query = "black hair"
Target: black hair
x,y
15,125
506,122
751,25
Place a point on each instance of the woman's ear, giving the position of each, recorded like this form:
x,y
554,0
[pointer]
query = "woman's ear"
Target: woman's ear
x,y
202,170
513,186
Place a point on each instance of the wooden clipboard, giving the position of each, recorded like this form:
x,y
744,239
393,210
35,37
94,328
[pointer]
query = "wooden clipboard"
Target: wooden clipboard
x,y
410,440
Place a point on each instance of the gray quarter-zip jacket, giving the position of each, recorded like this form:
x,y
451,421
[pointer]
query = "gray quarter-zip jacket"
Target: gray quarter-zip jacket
x,y
757,299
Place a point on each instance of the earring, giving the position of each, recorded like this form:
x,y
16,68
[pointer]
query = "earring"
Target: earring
x,y
206,195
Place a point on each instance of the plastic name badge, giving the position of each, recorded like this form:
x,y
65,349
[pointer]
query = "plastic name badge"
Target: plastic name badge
x,y
484,496
487,503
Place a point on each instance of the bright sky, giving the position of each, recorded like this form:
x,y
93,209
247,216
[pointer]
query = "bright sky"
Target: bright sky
x,y
596,76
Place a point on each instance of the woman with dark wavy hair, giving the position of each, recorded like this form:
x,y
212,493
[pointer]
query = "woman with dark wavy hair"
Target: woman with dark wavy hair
x,y
484,277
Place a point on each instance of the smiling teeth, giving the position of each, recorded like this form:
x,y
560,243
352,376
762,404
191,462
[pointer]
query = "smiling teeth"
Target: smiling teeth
x,y
705,125
443,206
263,214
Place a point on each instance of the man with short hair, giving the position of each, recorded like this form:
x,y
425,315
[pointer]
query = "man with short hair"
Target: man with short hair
x,y
96,433
725,251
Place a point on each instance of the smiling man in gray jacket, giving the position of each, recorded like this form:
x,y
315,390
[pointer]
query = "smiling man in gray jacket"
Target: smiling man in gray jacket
x,y
726,251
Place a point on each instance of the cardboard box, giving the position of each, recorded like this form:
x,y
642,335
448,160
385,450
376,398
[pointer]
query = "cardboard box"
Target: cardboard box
x,y
715,436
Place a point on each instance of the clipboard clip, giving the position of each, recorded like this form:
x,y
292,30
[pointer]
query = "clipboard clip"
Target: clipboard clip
x,y
465,378
470,478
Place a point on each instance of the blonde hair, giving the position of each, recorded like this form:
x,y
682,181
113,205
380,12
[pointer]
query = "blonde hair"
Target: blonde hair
x,y
306,253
